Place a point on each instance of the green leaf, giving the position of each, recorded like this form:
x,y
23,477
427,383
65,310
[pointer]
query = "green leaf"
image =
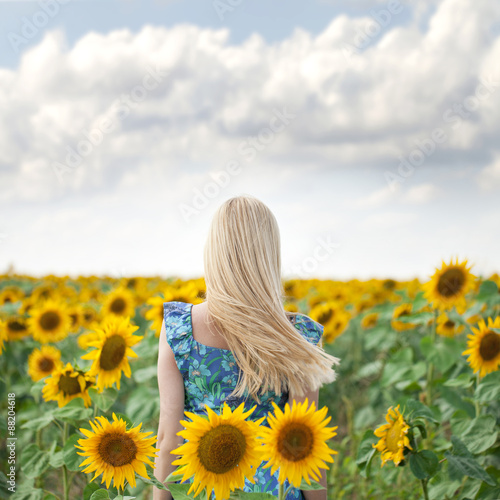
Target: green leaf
x,y
145,374
310,487
151,479
456,401
488,289
242,495
173,477
463,381
34,461
70,456
415,409
366,452
89,490
489,388
424,464
100,494
179,491
462,463
105,399
480,434
73,412
39,423
443,352
57,460
36,387
27,492
487,492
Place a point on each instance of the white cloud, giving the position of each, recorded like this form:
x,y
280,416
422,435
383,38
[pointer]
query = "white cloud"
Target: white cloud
x,y
415,195
489,177
421,194
366,109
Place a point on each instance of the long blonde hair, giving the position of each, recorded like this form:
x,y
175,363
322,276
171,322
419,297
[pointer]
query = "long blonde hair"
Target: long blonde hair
x,y
245,296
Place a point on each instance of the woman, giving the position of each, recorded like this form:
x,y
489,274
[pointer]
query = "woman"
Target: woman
x,y
240,345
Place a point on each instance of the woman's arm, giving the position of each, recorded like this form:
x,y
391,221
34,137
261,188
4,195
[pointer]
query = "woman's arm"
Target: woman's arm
x,y
312,396
171,388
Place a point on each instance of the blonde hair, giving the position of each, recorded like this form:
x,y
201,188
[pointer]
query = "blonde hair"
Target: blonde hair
x,y
244,297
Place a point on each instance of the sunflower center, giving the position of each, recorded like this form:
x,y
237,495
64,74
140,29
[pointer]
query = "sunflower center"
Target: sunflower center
x,y
490,346
16,326
451,282
46,365
404,312
112,353
393,436
325,317
222,448
50,320
117,449
118,305
295,441
389,284
69,385
449,324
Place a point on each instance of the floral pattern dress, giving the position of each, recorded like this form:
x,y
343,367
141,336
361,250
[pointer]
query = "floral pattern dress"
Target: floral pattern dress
x,y
210,375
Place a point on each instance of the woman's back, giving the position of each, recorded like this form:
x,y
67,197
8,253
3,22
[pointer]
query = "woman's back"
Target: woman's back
x,y
210,375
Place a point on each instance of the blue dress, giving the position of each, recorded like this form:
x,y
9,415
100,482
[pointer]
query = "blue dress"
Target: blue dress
x,y
210,375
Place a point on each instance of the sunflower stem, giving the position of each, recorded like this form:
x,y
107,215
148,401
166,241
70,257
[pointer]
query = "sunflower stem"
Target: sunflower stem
x,y
430,367
424,488
281,492
65,469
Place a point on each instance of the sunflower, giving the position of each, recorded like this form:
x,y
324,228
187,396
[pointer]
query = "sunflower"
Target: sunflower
x,y
369,321
11,294
65,384
155,314
76,314
113,346
333,318
295,442
402,310
85,338
17,328
448,286
89,316
393,437
220,451
484,347
49,322
291,307
3,334
119,302
43,362
447,327
115,452
187,292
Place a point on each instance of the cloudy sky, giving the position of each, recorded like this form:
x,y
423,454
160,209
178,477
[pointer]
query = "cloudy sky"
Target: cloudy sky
x,y
371,130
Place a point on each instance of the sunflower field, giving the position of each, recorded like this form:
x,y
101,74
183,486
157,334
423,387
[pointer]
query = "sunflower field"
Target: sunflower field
x,y
416,402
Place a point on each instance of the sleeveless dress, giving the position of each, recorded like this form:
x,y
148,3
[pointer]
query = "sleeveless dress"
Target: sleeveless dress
x,y
210,375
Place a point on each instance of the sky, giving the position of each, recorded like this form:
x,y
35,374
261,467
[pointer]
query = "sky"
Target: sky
x,y
370,129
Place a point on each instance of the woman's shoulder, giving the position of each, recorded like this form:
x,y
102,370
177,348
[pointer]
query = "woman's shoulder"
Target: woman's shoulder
x,y
177,318
310,329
